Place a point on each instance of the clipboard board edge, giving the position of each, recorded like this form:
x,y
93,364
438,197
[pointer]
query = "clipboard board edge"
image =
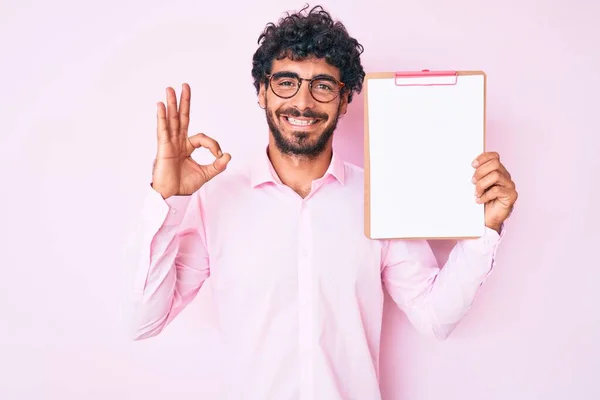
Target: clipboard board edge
x,y
367,163
416,238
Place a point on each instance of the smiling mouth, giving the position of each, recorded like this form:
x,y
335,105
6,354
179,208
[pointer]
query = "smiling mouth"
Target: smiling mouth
x,y
300,122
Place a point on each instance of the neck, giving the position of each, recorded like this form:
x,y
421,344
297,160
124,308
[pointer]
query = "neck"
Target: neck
x,y
298,172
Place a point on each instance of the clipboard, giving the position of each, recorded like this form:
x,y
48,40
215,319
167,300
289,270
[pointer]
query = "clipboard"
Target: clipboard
x,y
423,129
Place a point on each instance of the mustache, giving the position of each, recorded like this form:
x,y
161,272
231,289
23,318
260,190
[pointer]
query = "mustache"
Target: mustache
x,y
294,113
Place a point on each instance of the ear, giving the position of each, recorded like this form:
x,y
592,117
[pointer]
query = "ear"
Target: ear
x,y
344,104
261,96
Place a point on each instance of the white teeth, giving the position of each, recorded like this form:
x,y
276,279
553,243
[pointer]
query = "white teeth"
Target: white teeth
x,y
300,122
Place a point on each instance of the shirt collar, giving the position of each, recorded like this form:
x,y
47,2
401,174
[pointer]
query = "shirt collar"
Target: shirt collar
x,y
262,170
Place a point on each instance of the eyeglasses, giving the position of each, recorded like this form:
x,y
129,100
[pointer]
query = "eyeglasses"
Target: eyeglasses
x,y
323,88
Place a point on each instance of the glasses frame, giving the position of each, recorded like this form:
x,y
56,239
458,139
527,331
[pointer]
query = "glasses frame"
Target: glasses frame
x,y
310,81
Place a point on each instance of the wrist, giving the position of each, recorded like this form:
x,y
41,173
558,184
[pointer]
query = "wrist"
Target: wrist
x,y
165,195
495,227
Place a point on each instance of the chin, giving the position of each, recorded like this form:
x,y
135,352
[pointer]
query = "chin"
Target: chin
x,y
301,143
308,137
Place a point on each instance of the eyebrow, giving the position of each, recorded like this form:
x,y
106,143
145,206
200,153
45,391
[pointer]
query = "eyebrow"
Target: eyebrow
x,y
290,74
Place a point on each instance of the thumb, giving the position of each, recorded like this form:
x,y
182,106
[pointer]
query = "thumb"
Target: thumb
x,y
218,166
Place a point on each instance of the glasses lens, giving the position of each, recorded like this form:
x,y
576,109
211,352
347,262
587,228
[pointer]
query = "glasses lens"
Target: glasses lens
x,y
284,86
325,89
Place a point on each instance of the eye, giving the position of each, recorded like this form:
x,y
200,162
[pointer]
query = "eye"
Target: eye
x,y
285,82
323,85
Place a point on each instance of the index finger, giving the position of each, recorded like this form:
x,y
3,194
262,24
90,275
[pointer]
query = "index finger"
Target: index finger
x,y
485,157
201,140
489,167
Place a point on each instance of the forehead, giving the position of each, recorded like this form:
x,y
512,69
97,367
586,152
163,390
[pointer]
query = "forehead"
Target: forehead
x,y
306,68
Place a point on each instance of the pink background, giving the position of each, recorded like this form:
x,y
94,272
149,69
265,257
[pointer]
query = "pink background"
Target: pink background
x,y
79,84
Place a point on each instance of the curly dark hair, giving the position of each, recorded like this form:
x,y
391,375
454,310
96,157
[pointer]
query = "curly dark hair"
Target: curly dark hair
x,y
314,34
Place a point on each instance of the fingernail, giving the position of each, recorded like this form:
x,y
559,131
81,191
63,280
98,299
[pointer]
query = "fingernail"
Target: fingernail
x,y
219,153
474,180
475,163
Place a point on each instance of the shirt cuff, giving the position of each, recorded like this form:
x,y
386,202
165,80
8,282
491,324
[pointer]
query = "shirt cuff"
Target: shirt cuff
x,y
177,206
169,211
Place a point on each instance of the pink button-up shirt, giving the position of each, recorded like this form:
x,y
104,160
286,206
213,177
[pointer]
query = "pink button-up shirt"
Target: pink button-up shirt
x,y
298,288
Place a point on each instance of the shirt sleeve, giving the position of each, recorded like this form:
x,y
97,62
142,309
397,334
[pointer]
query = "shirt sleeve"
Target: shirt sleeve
x,y
173,263
436,299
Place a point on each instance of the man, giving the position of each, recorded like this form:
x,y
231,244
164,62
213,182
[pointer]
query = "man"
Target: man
x,y
298,288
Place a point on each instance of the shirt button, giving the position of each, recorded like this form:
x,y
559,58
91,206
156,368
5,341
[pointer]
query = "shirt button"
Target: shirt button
x,y
173,211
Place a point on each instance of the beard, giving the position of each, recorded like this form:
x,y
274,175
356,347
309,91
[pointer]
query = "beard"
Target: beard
x,y
301,144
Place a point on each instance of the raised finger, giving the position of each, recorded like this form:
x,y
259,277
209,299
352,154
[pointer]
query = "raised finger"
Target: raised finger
x,y
201,140
161,122
172,114
184,108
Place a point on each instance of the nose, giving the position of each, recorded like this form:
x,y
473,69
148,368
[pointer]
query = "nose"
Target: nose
x,y
303,99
